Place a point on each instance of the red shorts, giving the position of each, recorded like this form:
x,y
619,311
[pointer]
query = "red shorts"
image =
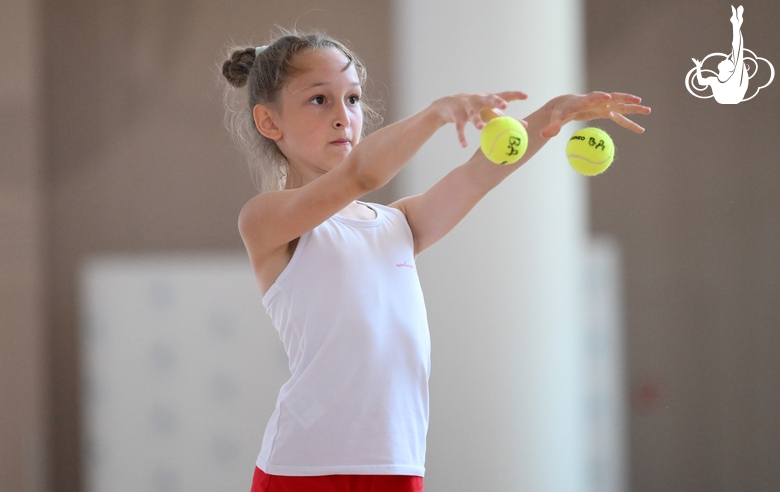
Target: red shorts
x,y
336,483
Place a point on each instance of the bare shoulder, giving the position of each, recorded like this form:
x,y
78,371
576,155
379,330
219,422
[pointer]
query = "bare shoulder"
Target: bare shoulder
x,y
255,221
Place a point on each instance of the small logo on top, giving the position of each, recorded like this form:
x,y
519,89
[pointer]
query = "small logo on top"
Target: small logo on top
x,y
735,70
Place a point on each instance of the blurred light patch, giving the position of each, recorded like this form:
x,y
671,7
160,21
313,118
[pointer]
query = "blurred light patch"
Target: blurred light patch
x,y
181,372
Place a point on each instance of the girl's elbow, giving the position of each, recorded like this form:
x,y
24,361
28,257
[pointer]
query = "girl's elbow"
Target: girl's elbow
x,y
366,178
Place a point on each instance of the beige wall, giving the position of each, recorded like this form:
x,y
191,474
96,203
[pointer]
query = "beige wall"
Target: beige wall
x,y
695,202
131,157
22,222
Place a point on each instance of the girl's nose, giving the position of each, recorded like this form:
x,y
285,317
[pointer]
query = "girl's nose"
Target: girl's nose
x,y
341,117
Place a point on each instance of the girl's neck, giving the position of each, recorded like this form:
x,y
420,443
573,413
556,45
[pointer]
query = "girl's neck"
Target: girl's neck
x,y
296,179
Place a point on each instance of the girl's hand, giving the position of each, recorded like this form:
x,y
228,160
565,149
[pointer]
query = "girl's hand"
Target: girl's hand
x,y
462,108
575,107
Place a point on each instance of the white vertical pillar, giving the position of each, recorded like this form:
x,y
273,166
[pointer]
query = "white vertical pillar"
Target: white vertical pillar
x,y
503,290
606,397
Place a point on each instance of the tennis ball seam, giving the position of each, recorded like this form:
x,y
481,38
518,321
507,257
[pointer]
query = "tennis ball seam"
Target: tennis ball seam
x,y
589,161
497,137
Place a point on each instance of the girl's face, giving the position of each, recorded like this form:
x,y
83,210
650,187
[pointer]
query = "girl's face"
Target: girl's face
x,y
319,116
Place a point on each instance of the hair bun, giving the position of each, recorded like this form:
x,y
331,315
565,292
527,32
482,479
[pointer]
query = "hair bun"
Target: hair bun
x,y
236,69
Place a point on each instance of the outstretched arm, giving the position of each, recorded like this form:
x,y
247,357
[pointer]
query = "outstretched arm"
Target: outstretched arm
x,y
436,212
268,222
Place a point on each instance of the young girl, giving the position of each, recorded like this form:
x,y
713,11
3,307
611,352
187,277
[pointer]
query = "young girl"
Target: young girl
x,y
337,275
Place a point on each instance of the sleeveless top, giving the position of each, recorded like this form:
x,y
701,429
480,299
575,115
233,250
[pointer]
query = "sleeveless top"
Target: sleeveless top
x,y
350,312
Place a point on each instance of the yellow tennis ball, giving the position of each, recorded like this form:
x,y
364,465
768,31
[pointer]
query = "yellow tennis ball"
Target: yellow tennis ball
x,y
503,140
590,151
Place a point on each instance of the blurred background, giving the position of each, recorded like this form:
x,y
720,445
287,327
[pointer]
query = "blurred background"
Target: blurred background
x,y
112,146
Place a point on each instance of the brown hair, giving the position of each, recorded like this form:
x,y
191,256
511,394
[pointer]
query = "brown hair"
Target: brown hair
x,y
265,72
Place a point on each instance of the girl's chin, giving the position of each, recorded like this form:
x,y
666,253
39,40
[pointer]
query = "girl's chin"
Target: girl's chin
x,y
342,150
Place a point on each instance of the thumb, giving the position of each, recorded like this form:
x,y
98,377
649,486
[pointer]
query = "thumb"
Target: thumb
x,y
551,131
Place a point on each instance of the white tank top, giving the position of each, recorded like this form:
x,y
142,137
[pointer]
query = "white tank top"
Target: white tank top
x,y
350,312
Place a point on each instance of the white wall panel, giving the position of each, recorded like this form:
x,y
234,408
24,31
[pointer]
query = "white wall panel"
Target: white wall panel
x,y
182,368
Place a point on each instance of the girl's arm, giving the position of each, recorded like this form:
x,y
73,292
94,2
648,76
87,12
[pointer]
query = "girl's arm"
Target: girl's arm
x,y
436,212
271,220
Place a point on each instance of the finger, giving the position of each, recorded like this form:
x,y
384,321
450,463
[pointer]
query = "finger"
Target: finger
x,y
597,96
626,123
488,114
551,131
476,119
493,101
558,118
512,95
460,127
471,109
625,98
630,109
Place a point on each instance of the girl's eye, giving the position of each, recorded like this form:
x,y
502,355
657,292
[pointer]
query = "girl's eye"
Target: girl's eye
x,y
319,100
353,99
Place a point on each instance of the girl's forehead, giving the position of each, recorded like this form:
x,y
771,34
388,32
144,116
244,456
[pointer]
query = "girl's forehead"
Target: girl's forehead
x,y
321,66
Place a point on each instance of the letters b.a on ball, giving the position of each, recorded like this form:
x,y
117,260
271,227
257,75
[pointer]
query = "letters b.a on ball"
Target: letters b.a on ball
x,y
504,140
590,151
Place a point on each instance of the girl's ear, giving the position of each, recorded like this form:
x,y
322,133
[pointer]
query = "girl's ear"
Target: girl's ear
x,y
265,121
